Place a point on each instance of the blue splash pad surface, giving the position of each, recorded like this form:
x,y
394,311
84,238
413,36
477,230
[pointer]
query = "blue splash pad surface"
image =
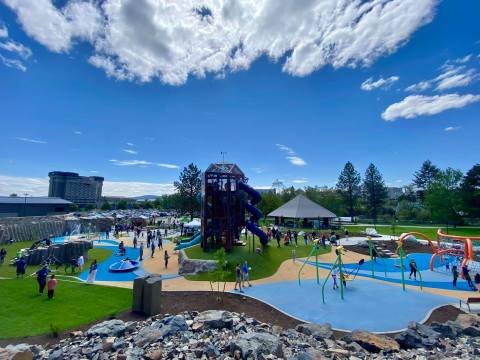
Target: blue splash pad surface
x,y
368,305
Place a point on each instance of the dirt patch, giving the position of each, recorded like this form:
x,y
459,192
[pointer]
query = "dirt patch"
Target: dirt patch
x,y
175,302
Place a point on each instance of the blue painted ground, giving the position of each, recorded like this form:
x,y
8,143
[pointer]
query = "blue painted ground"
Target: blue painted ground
x,y
368,305
437,279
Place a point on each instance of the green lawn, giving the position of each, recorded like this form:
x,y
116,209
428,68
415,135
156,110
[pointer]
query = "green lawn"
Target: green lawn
x,y
430,232
263,265
8,271
24,312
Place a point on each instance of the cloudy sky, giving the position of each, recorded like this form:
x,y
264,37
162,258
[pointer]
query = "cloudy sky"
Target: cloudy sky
x,y
133,90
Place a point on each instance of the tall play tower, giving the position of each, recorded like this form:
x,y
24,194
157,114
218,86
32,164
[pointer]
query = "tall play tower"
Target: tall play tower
x,y
225,197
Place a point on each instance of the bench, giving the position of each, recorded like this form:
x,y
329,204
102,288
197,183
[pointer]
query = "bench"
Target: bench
x,y
470,300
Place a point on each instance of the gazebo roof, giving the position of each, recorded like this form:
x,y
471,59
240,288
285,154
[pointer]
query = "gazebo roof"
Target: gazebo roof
x,y
302,207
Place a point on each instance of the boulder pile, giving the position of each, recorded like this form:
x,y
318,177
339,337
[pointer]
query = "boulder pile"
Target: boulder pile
x,y
217,334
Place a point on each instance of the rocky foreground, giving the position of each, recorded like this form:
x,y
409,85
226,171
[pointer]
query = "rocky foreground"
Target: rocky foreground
x,y
223,335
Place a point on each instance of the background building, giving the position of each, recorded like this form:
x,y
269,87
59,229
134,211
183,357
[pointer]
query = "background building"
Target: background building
x,y
81,190
13,206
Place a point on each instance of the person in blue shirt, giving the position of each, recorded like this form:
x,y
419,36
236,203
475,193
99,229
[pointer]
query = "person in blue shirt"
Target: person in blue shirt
x,y
245,270
21,265
42,275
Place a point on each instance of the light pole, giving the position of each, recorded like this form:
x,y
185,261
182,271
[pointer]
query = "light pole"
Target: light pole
x,y
25,204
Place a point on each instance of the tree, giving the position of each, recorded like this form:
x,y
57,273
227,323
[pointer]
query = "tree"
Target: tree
x,y
471,191
269,203
374,192
327,197
106,206
220,274
13,195
122,205
443,197
424,177
349,187
72,207
89,207
189,185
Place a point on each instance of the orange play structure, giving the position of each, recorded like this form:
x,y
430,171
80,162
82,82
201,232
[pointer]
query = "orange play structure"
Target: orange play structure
x,y
438,250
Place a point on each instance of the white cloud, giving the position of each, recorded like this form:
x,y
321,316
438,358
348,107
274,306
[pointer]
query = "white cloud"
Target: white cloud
x,y
300,181
34,141
144,40
93,171
3,31
142,163
21,50
452,128
371,84
39,187
129,144
420,86
13,63
133,152
77,132
291,155
418,105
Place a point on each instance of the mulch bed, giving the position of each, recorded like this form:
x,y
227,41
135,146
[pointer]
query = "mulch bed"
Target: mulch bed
x,y
174,302
391,245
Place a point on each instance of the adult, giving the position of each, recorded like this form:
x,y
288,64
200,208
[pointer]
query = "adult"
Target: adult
x,y
92,272
335,272
346,234
278,237
455,276
413,269
3,255
238,278
160,242
295,237
42,275
81,262
165,258
245,271
21,265
476,278
152,249
52,284
468,278
141,251
135,241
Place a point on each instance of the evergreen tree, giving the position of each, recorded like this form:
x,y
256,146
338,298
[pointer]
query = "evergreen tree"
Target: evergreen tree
x,y
374,192
122,205
424,177
189,184
348,185
106,206
471,191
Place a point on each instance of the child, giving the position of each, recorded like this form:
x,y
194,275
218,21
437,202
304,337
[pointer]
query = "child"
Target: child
x,y
344,280
51,285
413,269
245,270
455,276
334,277
476,278
238,278
466,275
166,257
21,265
447,264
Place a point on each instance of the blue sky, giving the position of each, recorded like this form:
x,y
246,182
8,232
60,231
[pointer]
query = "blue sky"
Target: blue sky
x,y
136,109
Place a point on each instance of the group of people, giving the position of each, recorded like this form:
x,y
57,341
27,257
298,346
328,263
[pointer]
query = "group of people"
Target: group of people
x,y
242,276
291,237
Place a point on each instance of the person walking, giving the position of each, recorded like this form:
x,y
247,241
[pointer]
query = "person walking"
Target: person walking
x,y
42,275
92,272
245,271
80,262
295,237
455,276
413,269
152,249
335,272
476,278
165,258
160,241
3,255
278,237
135,241
21,265
141,251
51,285
238,278
468,278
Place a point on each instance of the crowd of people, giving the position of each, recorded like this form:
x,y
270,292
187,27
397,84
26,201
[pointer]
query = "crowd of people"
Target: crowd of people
x,y
290,237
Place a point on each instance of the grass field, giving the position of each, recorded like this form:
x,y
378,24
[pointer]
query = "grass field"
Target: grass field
x,y
431,232
24,312
263,265
8,271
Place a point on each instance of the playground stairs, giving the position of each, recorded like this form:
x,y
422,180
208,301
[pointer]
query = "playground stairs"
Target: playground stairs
x,y
384,252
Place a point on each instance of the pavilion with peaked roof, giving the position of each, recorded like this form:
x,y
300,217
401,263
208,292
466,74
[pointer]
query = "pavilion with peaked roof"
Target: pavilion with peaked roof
x,y
303,208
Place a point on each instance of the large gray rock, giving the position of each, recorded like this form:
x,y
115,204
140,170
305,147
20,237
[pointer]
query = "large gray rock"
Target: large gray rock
x,y
372,342
318,331
418,336
468,324
215,319
107,329
21,352
160,329
253,345
194,266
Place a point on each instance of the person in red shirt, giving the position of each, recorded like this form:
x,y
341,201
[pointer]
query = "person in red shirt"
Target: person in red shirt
x,y
51,285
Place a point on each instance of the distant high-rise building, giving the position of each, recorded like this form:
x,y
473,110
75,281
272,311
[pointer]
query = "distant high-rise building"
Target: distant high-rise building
x,y
81,190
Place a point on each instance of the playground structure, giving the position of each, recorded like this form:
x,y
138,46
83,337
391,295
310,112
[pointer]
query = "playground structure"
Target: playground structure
x,y
460,247
223,204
